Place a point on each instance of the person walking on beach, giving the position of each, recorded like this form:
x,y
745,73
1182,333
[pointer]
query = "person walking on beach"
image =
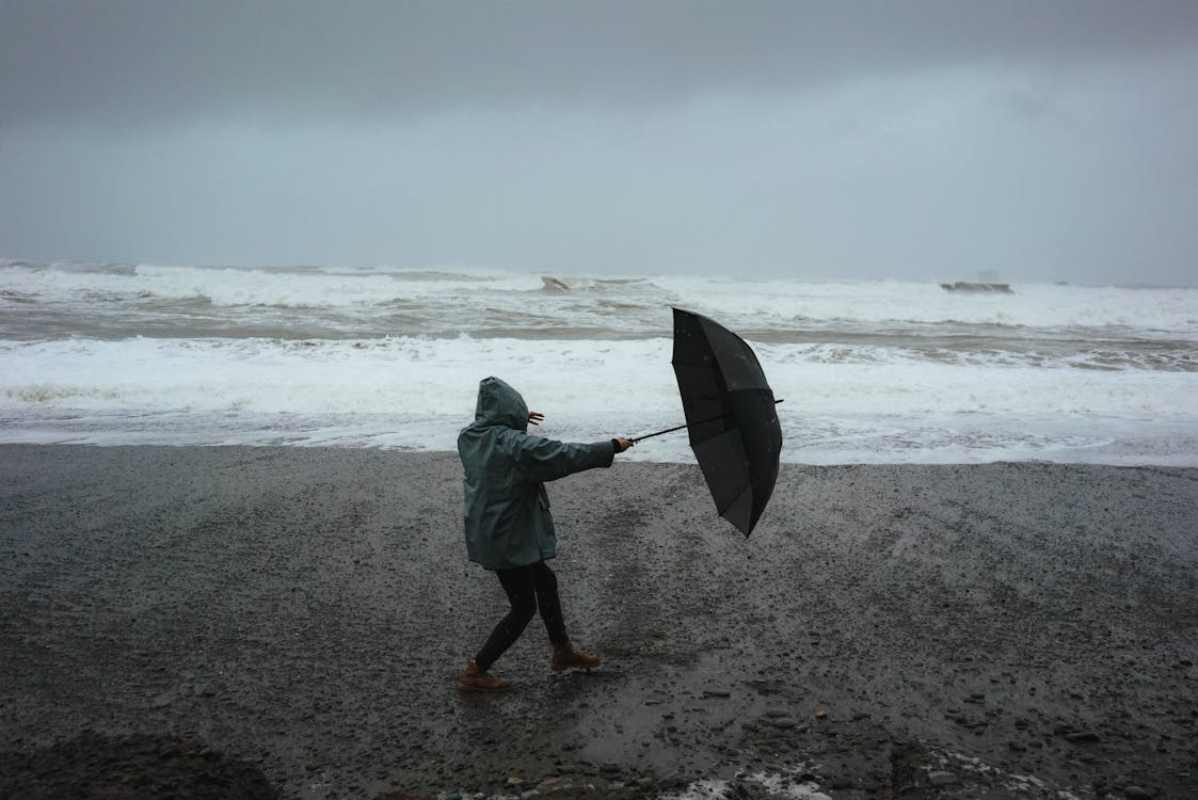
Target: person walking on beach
x,y
508,525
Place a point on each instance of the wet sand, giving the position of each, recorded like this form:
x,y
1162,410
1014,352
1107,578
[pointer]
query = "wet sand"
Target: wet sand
x,y
974,631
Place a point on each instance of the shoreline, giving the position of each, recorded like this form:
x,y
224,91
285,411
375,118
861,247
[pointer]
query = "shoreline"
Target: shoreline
x,y
305,609
1109,455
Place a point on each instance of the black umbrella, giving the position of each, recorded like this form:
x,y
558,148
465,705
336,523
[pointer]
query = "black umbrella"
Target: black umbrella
x,y
730,416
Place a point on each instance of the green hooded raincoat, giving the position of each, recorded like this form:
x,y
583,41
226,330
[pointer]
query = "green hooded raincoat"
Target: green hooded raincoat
x,y
507,509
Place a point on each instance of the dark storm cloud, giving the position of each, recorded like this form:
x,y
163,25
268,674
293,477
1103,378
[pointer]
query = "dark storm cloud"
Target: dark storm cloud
x,y
1045,140
127,62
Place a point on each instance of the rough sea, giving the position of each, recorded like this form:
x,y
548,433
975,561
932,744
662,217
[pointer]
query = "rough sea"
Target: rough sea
x,y
871,371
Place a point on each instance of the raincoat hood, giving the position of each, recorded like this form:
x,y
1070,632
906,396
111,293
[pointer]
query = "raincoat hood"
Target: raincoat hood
x,y
500,404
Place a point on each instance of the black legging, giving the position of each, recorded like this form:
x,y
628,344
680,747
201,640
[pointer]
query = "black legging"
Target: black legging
x,y
528,588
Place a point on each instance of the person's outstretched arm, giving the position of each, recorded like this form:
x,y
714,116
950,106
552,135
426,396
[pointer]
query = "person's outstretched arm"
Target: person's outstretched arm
x,y
547,459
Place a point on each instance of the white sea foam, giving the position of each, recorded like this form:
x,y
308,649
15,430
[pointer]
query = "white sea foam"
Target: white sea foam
x,y
419,375
418,391
305,288
764,304
871,371
786,785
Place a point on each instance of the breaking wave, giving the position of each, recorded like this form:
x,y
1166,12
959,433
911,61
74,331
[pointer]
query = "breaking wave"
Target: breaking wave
x,y
378,356
779,307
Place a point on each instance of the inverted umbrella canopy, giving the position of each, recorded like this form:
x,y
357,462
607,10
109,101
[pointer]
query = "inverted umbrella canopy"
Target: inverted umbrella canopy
x,y
730,416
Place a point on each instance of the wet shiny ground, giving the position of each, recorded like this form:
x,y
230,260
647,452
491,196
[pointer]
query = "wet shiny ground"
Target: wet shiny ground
x,y
1001,630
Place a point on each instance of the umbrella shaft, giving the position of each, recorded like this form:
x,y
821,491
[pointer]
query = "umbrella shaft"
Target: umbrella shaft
x,y
680,427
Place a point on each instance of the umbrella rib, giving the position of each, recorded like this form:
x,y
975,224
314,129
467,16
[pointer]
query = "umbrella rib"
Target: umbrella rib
x,y
724,510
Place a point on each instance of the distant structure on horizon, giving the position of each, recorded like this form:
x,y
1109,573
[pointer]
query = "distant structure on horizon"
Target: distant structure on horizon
x,y
968,286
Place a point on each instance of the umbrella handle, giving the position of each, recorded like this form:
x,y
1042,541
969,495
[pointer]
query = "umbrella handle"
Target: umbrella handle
x,y
636,439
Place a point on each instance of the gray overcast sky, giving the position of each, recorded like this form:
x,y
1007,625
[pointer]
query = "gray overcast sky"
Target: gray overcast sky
x,y
1045,140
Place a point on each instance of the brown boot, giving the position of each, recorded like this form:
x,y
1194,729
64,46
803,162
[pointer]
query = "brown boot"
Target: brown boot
x,y
566,657
473,679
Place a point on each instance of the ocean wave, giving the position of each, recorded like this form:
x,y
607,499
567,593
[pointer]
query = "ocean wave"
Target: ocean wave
x,y
311,301
788,304
420,373
441,276
44,393
555,285
857,403
249,287
77,267
1177,359
14,296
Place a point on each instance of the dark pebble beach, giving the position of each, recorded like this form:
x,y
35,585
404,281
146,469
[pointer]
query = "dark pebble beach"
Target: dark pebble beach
x,y
287,622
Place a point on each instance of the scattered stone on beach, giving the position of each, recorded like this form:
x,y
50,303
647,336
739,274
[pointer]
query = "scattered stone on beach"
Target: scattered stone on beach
x,y
784,723
162,700
941,778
